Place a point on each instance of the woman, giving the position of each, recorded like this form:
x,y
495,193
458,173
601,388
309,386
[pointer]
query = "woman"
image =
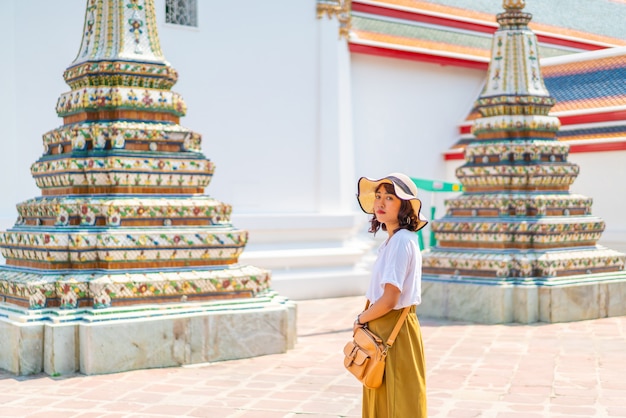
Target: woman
x,y
395,284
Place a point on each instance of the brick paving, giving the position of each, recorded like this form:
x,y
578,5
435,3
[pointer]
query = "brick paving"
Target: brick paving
x,y
498,371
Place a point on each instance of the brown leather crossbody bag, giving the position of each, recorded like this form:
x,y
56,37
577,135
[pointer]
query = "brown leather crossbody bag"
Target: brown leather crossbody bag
x,y
365,355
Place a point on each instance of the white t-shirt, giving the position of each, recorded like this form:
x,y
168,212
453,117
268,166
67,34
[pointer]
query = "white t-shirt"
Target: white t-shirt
x,y
399,263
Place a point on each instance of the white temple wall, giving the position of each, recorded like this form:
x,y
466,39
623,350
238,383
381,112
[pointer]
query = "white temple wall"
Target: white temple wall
x,y
601,177
30,87
407,113
8,111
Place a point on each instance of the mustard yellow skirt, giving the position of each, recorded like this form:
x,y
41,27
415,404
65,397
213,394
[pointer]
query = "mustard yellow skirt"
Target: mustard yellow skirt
x,y
403,392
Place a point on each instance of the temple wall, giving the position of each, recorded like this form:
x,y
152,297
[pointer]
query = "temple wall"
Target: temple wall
x,y
8,111
406,113
30,87
601,177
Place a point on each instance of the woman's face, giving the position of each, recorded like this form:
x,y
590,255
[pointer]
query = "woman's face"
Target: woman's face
x,y
386,208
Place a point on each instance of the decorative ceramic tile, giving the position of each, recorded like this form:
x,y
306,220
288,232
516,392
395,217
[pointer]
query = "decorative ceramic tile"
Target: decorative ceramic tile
x,y
557,176
145,171
109,211
100,290
529,265
90,99
121,32
519,204
116,134
515,150
496,127
154,75
85,249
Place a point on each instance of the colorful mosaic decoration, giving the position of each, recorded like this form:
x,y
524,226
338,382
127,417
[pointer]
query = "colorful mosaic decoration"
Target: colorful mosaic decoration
x,y
516,219
339,8
123,218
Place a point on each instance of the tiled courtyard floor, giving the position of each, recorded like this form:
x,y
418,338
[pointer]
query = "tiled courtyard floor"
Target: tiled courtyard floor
x,y
501,371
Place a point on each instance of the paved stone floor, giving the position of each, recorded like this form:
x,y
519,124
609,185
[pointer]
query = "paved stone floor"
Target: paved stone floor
x,y
502,371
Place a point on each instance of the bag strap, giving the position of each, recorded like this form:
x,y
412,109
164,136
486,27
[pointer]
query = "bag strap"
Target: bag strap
x,y
396,329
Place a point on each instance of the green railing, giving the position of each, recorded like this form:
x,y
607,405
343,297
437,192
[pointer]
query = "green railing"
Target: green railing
x,y
433,186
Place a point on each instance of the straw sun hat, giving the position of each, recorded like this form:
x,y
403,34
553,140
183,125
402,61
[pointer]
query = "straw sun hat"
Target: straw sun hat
x,y
403,186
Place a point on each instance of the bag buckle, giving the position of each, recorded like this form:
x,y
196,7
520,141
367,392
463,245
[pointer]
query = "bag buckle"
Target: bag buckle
x,y
351,356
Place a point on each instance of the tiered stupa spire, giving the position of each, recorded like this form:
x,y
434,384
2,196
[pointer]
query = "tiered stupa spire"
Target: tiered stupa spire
x,y
516,221
122,218
103,41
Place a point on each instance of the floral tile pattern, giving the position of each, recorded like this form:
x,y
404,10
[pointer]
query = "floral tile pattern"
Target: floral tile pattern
x,y
519,204
132,211
132,135
518,266
100,290
128,98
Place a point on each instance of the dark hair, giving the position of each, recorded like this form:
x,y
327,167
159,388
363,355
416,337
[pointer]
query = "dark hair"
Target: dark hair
x,y
406,215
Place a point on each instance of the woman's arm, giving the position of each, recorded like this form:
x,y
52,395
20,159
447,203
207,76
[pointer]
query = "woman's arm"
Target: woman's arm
x,y
386,303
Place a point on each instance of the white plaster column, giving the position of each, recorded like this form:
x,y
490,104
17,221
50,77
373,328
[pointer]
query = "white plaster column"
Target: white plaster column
x,y
317,254
336,178
8,109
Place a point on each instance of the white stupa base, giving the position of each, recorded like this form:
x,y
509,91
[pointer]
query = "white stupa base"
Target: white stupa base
x,y
311,256
97,341
566,299
321,283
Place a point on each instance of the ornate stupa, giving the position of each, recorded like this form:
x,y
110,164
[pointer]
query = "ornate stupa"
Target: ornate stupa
x,y
122,220
516,245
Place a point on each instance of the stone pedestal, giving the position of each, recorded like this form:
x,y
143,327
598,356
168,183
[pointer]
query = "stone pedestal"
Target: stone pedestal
x,y
489,302
463,300
583,297
114,340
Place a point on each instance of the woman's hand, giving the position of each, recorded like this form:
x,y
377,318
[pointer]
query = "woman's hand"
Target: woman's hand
x,y
356,324
386,303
